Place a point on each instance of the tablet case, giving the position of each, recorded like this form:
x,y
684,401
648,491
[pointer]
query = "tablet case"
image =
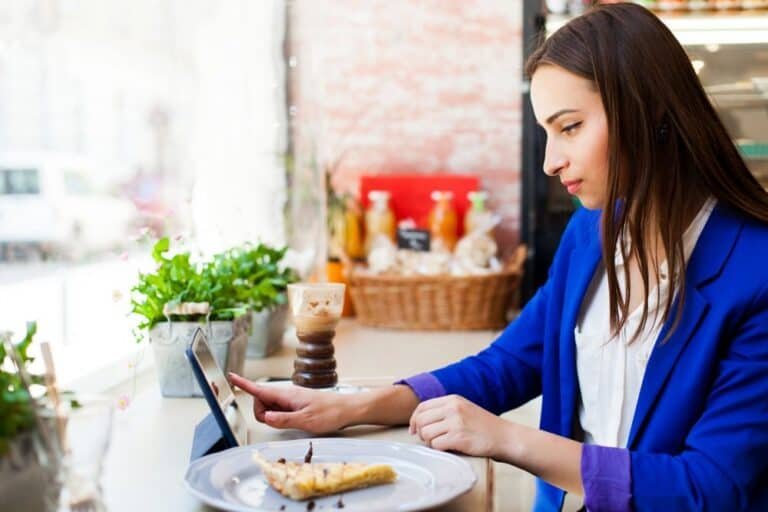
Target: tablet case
x,y
213,433
207,438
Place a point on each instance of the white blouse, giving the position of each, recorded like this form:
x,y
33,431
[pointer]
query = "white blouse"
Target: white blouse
x,y
610,370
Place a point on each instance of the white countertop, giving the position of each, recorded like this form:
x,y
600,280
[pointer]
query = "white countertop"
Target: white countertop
x,y
151,438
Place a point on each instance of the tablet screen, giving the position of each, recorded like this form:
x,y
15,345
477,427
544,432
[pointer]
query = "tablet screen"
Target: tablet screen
x,y
220,388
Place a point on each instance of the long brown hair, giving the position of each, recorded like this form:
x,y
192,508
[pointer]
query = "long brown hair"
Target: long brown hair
x,y
667,148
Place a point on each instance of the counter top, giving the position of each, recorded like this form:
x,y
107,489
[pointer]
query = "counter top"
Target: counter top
x,y
151,439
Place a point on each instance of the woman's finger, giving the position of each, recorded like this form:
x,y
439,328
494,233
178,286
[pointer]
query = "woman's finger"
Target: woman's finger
x,y
423,418
428,405
445,442
433,403
258,409
280,419
242,383
433,430
268,395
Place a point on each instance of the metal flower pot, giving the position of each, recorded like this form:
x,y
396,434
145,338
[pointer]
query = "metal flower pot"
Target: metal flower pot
x,y
266,334
227,339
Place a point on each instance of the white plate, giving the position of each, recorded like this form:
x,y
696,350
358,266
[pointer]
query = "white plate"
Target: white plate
x,y
426,478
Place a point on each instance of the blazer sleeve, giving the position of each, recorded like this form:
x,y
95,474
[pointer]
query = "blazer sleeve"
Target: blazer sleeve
x,y
726,452
508,372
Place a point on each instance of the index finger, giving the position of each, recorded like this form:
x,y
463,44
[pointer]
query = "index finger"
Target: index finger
x,y
282,397
259,408
242,383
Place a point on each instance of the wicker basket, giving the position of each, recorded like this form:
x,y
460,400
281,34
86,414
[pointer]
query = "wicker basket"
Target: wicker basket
x,y
438,302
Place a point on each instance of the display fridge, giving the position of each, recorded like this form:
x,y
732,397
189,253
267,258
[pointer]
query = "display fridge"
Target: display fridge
x,y
729,52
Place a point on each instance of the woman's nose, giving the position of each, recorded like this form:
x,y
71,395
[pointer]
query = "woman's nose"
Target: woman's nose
x,y
554,161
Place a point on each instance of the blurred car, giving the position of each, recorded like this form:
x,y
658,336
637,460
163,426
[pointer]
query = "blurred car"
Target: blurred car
x,y
50,203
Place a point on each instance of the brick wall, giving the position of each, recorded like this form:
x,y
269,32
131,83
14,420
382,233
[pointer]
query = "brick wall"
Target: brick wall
x,y
421,86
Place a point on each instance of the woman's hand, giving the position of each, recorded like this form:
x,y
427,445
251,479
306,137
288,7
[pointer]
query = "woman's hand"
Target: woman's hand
x,y
454,423
314,411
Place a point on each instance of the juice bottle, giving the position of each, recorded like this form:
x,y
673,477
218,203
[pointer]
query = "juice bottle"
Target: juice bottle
x,y
337,272
335,231
353,230
379,219
477,212
443,221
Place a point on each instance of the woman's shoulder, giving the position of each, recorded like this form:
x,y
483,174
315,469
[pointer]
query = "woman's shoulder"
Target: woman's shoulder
x,y
753,247
748,258
754,232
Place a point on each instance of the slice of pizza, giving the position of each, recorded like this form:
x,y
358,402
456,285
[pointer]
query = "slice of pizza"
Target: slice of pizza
x,y
300,481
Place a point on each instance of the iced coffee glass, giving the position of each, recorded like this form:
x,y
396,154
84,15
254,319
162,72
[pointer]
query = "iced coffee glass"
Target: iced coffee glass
x,y
316,310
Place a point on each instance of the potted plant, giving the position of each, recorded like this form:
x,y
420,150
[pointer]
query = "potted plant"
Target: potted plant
x,y
178,297
259,281
24,468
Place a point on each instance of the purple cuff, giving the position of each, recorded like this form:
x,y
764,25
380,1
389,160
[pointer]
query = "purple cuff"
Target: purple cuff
x,y
425,385
605,474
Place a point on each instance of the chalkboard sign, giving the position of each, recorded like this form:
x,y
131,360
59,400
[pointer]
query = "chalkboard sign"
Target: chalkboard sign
x,y
413,239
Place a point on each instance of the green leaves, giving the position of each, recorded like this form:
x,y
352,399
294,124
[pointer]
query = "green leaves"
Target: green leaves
x,y
242,278
16,413
160,247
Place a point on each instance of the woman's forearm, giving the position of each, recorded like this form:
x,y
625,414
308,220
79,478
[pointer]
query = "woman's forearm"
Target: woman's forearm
x,y
392,405
553,458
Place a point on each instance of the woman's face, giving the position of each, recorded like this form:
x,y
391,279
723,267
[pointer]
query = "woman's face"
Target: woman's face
x,y
569,108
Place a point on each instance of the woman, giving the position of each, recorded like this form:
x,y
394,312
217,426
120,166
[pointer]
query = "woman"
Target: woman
x,y
649,340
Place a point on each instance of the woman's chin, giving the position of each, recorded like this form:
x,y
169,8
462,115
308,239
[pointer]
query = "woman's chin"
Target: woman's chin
x,y
589,202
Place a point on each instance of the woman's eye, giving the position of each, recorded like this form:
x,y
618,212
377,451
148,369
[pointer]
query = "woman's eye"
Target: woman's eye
x,y
570,128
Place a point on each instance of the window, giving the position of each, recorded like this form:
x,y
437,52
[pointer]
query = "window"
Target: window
x,y
21,181
163,119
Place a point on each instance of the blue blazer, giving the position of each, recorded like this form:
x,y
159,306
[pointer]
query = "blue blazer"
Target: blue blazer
x,y
699,437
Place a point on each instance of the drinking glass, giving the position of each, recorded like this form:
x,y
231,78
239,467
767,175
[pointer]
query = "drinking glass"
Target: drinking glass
x,y
87,432
316,309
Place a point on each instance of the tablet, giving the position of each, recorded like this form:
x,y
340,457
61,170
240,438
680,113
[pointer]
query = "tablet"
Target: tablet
x,y
224,406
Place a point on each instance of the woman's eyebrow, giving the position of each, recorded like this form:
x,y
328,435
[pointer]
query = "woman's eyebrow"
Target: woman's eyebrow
x,y
559,113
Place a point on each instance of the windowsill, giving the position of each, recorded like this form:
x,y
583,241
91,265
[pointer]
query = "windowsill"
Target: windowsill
x,y
111,372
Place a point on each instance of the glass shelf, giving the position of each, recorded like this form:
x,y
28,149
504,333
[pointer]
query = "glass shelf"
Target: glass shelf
x,y
699,29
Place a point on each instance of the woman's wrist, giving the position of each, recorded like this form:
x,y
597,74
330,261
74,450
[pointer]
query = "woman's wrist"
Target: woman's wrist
x,y
353,409
360,408
510,446
551,457
392,405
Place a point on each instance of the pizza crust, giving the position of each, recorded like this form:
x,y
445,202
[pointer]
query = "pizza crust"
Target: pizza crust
x,y
300,481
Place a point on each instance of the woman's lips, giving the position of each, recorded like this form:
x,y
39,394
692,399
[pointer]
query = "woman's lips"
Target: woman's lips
x,y
572,186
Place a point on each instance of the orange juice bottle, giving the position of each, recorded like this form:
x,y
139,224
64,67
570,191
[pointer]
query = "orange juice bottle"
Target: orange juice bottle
x,y
353,230
379,219
443,221
337,272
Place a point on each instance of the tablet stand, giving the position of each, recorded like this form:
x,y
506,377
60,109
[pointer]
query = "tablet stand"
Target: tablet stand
x,y
207,438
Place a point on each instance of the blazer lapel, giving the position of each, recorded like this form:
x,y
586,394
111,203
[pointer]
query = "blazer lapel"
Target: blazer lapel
x,y
709,256
581,270
663,357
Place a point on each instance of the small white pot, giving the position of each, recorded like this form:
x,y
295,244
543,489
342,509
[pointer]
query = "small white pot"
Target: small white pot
x,y
266,334
170,340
